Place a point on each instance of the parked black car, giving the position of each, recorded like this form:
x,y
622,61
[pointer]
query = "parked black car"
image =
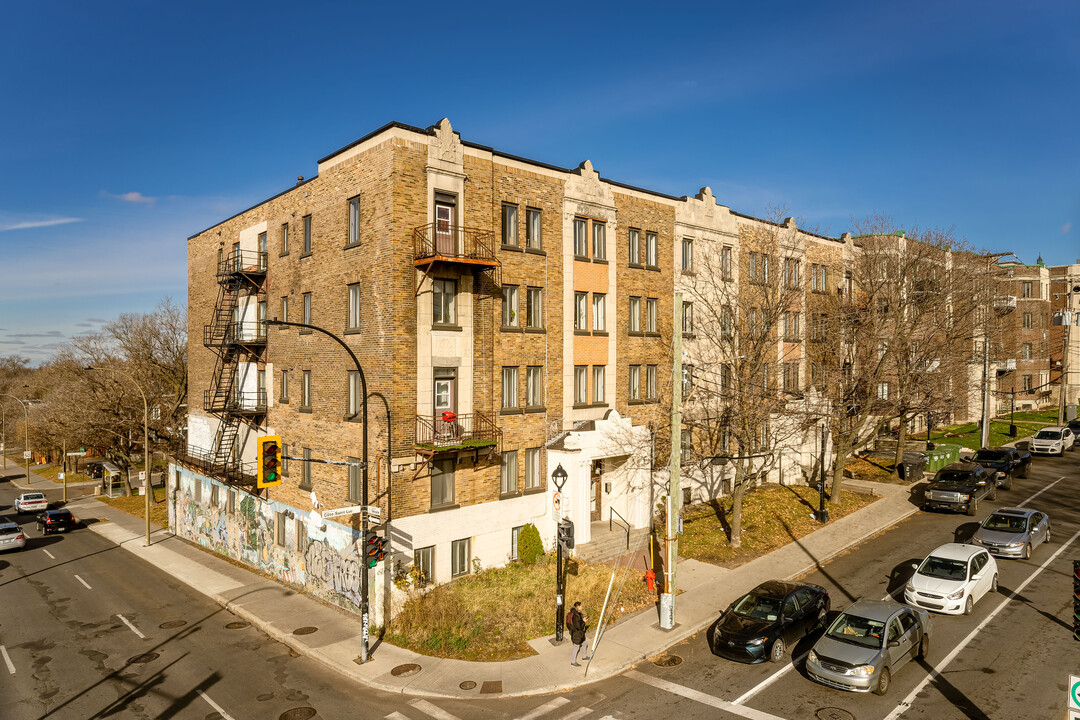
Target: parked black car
x,y
1005,462
960,486
762,624
55,521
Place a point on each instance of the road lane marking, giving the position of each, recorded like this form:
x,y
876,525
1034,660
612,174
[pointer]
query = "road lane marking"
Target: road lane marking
x,y
905,704
397,716
428,709
48,553
84,582
1041,491
578,714
133,628
7,660
698,696
221,710
545,708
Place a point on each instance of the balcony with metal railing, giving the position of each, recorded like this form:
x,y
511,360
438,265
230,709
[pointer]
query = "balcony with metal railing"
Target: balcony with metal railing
x,y
1004,303
237,472
242,262
452,243
236,403
448,432
234,333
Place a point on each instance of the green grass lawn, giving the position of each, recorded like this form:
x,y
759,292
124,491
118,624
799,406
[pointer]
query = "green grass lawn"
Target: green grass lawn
x,y
968,435
1050,415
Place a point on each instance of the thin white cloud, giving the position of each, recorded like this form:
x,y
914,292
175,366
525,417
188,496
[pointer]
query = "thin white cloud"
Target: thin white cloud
x,y
131,197
1066,228
27,224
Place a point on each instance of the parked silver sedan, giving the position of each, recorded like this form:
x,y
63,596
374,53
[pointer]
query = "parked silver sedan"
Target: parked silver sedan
x,y
1013,532
867,643
12,536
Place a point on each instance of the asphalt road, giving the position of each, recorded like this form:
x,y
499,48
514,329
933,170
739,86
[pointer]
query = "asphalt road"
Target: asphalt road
x,y
81,636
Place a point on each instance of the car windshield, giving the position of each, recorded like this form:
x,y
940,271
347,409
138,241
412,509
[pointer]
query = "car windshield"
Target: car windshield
x,y
953,476
1048,435
758,607
1005,523
857,630
990,456
943,568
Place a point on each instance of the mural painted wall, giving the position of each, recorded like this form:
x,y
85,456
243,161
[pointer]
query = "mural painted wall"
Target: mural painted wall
x,y
273,538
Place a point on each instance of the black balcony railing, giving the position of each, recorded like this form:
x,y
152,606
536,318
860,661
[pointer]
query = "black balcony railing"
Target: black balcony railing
x,y
437,240
242,261
445,432
242,333
237,472
238,403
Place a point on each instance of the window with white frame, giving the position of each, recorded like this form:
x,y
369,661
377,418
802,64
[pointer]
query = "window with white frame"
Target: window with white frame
x,y
508,474
687,318
305,470
791,377
460,557
1025,351
599,240
262,251
1027,321
284,386
355,395
534,386
444,294
581,237
652,306
510,225
687,253
353,322
532,468
284,238
651,255
509,388
307,308
354,220
791,272
598,383
509,305
1026,379
285,308
599,315
634,383
581,311
424,564
279,530
634,317
650,382
305,390
442,483
534,307
791,325
725,262
581,396
515,533
883,391
534,229
634,246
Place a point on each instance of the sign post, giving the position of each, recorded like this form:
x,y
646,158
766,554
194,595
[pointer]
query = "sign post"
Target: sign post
x,y
558,477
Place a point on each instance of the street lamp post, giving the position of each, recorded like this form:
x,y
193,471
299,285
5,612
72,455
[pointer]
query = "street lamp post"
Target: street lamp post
x,y
558,477
364,582
148,487
26,427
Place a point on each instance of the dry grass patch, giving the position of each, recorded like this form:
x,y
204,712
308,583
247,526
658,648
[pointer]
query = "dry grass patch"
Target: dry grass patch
x,y
773,516
50,472
874,469
136,505
492,615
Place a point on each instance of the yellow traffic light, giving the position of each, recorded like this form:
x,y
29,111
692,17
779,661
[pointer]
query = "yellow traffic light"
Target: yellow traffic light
x,y
269,461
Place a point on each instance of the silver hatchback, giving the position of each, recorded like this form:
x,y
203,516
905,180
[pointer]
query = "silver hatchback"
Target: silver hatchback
x,y
12,536
1013,532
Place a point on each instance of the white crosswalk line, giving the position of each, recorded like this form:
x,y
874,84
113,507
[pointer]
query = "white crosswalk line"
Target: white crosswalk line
x,y
428,709
578,714
7,660
211,703
545,708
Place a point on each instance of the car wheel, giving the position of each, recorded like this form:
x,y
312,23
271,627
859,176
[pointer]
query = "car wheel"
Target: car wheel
x,y
1047,538
882,686
822,615
992,495
973,506
993,584
778,650
1026,471
1027,551
924,647
969,605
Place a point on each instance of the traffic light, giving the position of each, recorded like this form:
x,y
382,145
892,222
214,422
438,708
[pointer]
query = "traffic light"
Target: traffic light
x,y
1076,599
566,534
374,549
269,461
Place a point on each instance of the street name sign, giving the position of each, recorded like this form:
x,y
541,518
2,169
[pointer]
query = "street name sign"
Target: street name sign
x,y
374,512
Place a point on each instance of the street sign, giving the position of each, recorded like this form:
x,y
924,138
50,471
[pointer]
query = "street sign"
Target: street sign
x,y
374,512
142,474
556,502
1074,692
60,476
26,455
80,453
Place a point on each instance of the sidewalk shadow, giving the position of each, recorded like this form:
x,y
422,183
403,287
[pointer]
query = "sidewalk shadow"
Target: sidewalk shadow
x,y
817,564
965,532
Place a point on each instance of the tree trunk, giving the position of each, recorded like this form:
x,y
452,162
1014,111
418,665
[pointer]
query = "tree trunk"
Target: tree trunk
x,y
737,494
842,446
901,438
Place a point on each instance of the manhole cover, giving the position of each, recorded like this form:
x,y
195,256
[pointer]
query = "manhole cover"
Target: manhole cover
x,y
830,713
300,713
237,625
667,661
468,685
306,630
405,670
491,686
172,624
144,658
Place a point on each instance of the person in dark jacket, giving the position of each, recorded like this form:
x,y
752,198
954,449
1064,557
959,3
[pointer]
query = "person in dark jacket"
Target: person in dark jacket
x,y
578,624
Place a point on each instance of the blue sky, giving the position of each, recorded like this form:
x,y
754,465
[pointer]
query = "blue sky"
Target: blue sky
x,y
131,125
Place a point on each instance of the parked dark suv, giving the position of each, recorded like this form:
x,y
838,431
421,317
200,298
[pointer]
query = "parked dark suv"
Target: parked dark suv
x,y
55,521
960,486
1005,462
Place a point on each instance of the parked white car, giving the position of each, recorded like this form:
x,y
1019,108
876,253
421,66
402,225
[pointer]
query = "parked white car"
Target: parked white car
x,y
1053,441
952,579
31,502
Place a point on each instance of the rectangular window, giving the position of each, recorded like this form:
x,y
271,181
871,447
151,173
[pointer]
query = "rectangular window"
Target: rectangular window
x,y
424,562
459,557
815,374
443,293
791,377
727,321
262,319
1025,351
725,377
354,220
230,502
581,311
598,314
598,384
1027,320
442,483
356,480
307,308
510,225
599,241
534,386
508,474
752,268
688,253
279,529
307,234
791,326
353,321
791,272
262,251
1027,383
305,470
634,249
634,381
651,312
534,307
1026,288
581,238
198,490
305,390
635,315
883,391
509,388
215,495
725,262
650,382
300,530
284,386
533,229
688,318
515,533
532,468
651,256
509,305
285,308
581,396
260,398
284,238
355,395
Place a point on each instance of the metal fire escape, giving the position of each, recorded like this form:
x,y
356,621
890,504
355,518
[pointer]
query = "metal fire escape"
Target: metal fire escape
x,y
235,340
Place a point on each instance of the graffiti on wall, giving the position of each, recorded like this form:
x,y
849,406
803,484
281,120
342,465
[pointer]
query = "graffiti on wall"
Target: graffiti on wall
x,y
332,571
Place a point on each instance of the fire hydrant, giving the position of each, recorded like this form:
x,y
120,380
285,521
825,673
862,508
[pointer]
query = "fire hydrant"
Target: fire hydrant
x,y
650,580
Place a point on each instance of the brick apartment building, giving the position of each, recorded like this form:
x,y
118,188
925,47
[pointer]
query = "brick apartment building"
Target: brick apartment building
x,y
509,317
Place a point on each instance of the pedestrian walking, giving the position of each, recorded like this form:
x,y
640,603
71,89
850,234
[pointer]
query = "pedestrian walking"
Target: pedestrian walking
x,y
578,624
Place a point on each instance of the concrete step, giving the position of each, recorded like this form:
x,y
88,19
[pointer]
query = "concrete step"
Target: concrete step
x,y
607,547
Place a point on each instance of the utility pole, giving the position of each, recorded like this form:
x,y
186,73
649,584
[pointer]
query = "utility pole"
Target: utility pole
x,y
674,508
984,436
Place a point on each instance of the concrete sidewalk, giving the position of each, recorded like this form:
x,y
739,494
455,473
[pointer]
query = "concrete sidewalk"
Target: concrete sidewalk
x,y
279,610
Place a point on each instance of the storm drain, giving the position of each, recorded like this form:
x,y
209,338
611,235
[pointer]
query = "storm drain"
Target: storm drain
x,y
144,658
306,630
300,713
667,661
491,687
172,624
831,713
468,685
236,625
405,670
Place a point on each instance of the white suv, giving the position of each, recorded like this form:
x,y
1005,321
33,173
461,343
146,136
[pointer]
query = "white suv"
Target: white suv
x,y
1053,441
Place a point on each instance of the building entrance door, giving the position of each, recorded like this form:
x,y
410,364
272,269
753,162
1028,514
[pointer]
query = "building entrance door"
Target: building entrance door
x,y
445,405
595,490
445,220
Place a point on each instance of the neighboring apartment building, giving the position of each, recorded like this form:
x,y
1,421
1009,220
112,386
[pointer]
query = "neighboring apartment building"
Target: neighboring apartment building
x,y
1064,334
1021,348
